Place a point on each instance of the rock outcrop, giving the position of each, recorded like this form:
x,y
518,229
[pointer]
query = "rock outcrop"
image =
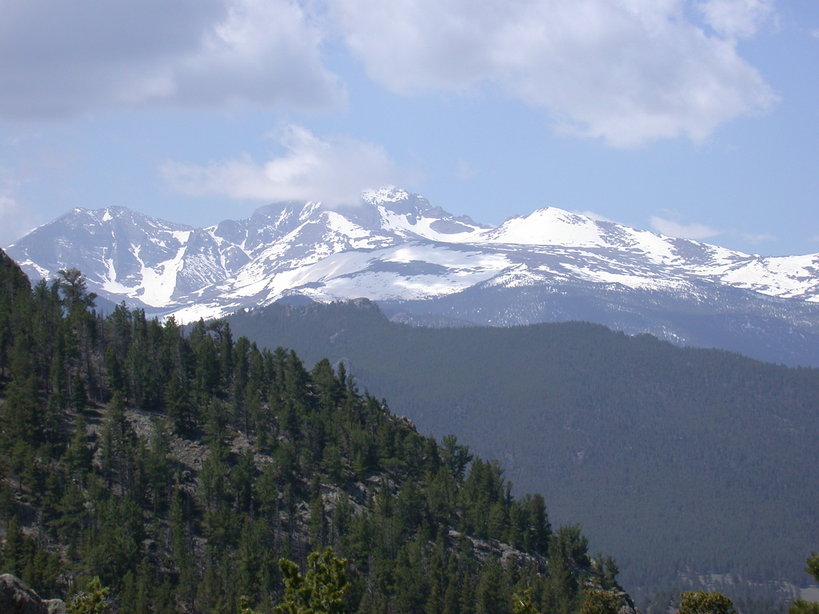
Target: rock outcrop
x,y
17,598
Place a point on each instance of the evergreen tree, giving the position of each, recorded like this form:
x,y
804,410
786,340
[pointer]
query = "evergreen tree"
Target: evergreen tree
x,y
597,601
800,606
90,601
703,602
491,593
523,602
320,590
78,454
813,566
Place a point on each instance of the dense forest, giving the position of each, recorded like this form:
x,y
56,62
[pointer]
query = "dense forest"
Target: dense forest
x,y
669,457
178,469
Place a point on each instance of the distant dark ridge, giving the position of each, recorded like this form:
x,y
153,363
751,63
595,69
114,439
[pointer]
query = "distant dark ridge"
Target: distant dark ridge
x,y
725,318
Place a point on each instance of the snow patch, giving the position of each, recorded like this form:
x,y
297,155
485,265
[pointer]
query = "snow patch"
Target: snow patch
x,y
635,282
41,271
110,283
549,226
423,227
182,236
388,194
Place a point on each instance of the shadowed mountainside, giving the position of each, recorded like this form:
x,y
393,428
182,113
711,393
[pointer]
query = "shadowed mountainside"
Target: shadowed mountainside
x,y
669,457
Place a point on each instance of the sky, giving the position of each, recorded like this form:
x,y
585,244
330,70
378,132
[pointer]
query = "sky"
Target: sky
x,y
693,118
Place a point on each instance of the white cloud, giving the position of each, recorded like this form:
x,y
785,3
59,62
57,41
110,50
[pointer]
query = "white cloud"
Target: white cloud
x,y
10,214
63,58
763,237
736,18
627,72
15,219
673,228
335,171
465,171
595,216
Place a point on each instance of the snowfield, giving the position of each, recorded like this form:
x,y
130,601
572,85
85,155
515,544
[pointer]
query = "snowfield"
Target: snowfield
x,y
393,246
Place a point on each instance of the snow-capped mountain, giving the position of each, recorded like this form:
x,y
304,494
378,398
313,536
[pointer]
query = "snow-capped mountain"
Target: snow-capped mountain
x,y
417,259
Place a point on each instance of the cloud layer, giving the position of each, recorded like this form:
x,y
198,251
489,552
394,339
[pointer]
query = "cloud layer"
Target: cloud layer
x,y
625,71
62,58
628,71
674,228
736,18
333,171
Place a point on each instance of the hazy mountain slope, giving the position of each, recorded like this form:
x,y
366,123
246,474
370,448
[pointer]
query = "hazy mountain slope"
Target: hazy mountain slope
x,y
670,458
412,257
766,328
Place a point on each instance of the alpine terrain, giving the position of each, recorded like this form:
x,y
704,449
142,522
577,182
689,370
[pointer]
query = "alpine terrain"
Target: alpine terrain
x,y
426,266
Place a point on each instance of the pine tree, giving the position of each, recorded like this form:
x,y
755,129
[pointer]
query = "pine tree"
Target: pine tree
x,y
320,590
181,546
703,602
597,601
90,601
78,454
523,602
492,589
800,606
813,565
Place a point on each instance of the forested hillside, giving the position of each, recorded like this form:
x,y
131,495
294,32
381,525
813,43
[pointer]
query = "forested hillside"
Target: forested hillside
x,y
179,469
670,458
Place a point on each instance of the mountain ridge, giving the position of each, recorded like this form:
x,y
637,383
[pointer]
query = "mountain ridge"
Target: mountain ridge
x,y
400,250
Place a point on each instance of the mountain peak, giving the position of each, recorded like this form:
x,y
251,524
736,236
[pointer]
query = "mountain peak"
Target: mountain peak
x,y
386,194
550,226
115,213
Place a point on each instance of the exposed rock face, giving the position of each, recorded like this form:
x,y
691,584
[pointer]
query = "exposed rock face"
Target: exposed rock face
x,y
55,606
17,598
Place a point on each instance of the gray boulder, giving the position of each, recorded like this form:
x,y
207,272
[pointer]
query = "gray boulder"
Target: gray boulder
x,y
17,598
